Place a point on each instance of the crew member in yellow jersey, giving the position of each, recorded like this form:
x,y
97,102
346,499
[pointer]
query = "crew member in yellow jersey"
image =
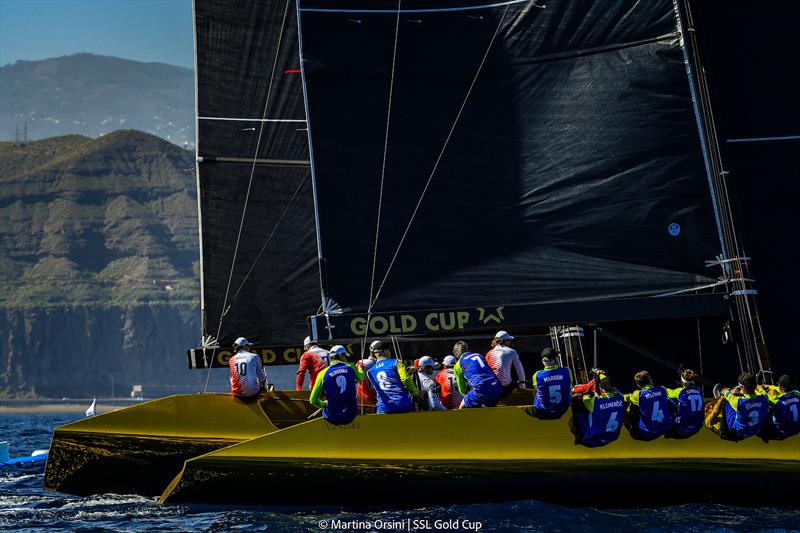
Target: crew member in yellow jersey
x,y
649,415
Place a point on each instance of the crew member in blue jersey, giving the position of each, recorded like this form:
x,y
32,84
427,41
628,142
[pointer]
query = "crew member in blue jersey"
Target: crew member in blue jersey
x,y
686,403
745,411
392,382
552,387
475,378
784,419
648,414
597,416
338,382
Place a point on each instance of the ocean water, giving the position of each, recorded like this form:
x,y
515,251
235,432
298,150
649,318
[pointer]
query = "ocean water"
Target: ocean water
x,y
26,506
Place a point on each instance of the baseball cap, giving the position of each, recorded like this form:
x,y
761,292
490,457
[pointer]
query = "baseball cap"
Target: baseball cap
x,y
449,361
367,363
503,335
338,350
376,346
426,360
549,353
241,341
308,341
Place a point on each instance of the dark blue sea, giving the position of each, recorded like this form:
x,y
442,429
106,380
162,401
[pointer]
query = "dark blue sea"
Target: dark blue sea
x,y
26,506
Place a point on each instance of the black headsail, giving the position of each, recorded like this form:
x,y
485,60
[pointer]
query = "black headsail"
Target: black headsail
x,y
260,275
575,173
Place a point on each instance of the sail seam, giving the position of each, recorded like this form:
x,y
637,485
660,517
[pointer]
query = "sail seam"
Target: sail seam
x,y
571,54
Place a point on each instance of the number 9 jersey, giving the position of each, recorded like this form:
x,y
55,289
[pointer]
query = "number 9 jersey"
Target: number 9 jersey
x,y
339,385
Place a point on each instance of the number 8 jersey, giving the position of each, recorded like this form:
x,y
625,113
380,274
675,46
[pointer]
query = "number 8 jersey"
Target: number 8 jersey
x,y
388,376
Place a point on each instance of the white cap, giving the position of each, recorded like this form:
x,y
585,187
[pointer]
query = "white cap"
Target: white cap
x,y
450,360
367,363
241,341
338,350
503,335
308,341
426,360
375,346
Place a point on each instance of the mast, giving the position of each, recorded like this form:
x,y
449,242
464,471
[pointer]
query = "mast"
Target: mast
x,y
734,262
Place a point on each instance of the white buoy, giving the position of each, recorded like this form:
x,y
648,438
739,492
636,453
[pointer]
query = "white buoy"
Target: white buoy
x,y
92,410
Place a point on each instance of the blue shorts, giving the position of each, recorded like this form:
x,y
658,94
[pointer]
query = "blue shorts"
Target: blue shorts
x,y
485,396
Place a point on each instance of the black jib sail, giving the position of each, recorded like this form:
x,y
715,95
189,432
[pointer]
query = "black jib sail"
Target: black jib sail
x,y
260,277
533,155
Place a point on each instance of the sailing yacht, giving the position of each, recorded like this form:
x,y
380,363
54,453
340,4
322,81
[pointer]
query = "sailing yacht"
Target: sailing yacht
x,y
425,171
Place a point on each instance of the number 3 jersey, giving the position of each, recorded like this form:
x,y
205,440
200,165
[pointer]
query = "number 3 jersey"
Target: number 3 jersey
x,y
338,381
745,414
247,374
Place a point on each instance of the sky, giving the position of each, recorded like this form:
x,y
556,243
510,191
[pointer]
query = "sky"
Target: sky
x,y
142,30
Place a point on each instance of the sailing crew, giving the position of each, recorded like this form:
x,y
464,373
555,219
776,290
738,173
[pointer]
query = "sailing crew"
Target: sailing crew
x,y
586,388
475,379
428,388
743,411
313,360
364,390
450,395
338,383
597,416
686,405
649,416
784,418
392,382
551,387
501,357
248,376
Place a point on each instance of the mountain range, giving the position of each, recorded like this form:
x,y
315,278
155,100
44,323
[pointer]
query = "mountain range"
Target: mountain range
x,y
94,95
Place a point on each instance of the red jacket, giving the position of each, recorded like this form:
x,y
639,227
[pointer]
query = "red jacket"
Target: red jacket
x,y
313,362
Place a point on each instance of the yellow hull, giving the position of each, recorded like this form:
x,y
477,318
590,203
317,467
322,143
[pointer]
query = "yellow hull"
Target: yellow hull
x,y
139,449
480,455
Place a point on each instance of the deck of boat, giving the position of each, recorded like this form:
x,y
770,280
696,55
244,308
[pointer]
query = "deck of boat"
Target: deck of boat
x,y
481,455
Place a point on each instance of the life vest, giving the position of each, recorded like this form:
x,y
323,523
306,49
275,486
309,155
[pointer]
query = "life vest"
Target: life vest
x,y
749,416
391,394
603,425
553,388
339,383
655,417
785,417
688,412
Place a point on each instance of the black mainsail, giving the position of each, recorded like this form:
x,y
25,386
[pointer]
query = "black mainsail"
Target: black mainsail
x,y
575,171
258,241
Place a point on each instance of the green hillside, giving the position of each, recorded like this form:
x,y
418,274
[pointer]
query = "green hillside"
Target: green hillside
x,y
107,221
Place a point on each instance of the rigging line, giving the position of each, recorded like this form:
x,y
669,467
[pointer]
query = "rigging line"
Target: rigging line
x,y
249,185
383,172
441,153
699,346
271,234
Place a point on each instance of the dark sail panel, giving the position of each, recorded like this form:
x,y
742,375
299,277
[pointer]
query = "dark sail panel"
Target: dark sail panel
x,y
275,279
575,171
